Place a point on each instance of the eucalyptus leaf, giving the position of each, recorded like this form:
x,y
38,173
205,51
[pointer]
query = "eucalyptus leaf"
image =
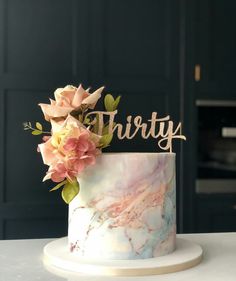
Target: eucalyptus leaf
x,y
36,132
58,185
109,102
105,140
69,191
39,126
116,103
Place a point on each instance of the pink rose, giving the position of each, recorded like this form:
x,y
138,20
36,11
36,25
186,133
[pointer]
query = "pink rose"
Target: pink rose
x,y
68,99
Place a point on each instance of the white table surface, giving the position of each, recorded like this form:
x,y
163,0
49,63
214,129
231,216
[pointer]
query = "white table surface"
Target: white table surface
x,y
22,260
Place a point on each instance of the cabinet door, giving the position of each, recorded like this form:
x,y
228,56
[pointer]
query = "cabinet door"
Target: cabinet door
x,y
216,213
216,48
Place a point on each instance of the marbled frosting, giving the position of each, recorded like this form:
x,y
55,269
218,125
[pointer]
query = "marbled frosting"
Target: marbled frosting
x,y
125,208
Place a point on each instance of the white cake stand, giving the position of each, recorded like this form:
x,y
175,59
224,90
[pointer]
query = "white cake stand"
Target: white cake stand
x,y
186,255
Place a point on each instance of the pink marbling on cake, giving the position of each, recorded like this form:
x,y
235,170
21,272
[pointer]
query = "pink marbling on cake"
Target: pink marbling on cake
x,y
125,208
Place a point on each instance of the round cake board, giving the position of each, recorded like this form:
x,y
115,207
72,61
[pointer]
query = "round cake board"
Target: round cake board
x,y
186,255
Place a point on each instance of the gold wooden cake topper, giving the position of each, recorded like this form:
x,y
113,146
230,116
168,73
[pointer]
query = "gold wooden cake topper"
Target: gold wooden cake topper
x,y
157,128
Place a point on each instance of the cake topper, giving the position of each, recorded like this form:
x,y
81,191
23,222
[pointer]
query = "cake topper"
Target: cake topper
x,y
79,133
157,128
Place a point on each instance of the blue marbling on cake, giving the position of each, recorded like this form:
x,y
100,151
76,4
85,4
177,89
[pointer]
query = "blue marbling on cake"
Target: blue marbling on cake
x,y
126,207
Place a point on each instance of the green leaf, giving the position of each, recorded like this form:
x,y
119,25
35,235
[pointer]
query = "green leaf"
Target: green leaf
x,y
36,132
39,126
109,102
105,129
58,185
116,102
86,121
69,191
105,140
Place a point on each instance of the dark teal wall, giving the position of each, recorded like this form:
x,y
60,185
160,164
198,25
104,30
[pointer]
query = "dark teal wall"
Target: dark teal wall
x,y
144,50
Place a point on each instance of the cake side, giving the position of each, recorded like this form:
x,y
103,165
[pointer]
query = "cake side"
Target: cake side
x,y
125,208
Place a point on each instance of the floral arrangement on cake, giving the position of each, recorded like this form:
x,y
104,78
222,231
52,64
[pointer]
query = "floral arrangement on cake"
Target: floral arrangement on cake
x,y
73,142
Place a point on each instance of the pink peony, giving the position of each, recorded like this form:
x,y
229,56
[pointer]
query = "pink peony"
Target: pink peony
x,y
69,150
68,99
60,172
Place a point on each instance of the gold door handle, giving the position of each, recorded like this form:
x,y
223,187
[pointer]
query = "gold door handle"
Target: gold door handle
x,y
197,72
